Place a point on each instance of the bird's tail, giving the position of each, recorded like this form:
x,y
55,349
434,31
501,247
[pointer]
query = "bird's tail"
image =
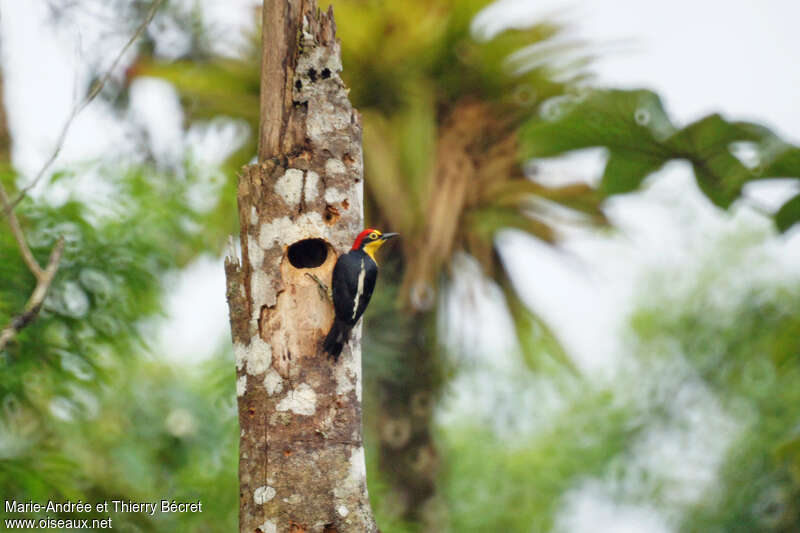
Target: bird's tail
x,y
336,338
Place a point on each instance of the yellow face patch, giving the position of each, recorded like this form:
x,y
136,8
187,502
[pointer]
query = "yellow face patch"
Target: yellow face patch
x,y
371,247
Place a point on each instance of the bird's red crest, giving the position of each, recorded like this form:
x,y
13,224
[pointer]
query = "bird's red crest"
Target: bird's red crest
x,y
360,238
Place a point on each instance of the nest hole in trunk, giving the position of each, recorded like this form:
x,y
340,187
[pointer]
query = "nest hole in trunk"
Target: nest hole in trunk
x,y
308,253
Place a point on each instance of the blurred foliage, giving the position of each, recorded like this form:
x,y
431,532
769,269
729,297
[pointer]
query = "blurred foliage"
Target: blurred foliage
x,y
83,415
108,278
742,338
148,432
494,485
640,139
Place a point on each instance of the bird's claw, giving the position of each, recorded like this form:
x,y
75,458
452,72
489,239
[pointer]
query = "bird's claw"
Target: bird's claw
x,y
324,290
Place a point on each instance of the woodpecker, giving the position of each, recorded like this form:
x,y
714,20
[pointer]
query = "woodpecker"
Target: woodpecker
x,y
354,278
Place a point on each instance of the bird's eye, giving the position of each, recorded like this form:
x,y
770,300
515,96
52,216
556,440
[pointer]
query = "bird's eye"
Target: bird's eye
x,y
373,235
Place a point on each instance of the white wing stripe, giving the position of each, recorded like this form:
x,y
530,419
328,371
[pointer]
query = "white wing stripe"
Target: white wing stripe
x,y
361,275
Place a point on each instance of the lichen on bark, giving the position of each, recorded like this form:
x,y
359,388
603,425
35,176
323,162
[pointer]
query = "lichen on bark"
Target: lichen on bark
x,y
301,451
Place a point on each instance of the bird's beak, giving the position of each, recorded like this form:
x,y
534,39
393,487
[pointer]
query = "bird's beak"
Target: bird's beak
x,y
387,236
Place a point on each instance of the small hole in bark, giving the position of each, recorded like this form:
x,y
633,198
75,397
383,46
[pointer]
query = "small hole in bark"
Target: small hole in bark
x,y
331,215
345,204
251,411
348,159
298,84
312,74
326,73
330,528
308,253
287,452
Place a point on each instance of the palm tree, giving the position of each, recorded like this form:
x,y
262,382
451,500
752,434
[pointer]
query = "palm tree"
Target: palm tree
x,y
441,112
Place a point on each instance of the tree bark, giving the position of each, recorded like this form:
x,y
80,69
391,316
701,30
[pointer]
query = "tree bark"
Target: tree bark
x,y
301,465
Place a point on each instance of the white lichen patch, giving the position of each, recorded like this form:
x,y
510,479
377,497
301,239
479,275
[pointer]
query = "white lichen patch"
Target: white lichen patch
x,y
310,190
254,252
261,291
273,382
290,186
334,167
253,215
334,195
263,494
283,231
356,475
259,356
320,57
325,118
302,401
358,466
343,511
348,371
241,385
268,527
329,111
239,354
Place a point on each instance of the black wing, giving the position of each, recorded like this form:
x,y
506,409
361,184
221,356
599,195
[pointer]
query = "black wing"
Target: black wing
x,y
351,296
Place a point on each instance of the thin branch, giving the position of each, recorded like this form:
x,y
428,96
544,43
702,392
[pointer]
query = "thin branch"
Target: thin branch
x,y
34,303
19,236
43,277
93,92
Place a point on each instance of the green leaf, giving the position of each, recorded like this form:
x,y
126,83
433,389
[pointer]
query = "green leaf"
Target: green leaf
x,y
788,214
711,134
706,143
786,164
721,178
618,120
625,171
640,139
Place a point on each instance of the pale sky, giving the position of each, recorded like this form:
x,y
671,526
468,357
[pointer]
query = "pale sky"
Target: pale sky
x,y
732,56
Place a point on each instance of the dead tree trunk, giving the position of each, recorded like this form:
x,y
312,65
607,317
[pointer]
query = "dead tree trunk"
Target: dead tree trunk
x,y
301,464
